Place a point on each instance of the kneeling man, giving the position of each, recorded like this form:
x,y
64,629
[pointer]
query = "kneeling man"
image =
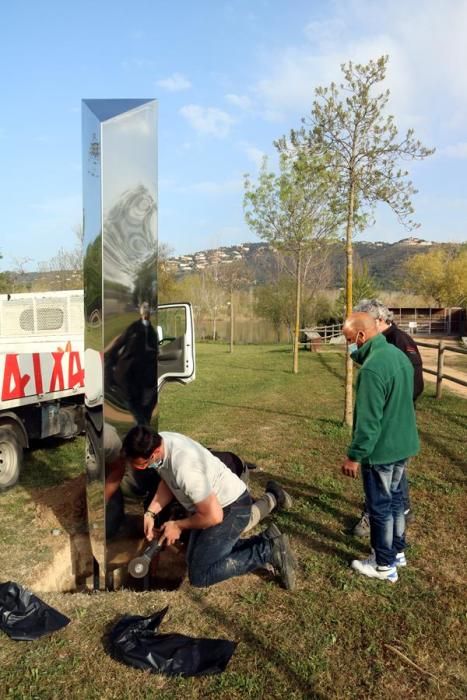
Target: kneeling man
x,y
218,506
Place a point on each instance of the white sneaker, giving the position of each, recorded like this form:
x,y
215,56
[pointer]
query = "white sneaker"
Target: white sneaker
x,y
400,559
369,567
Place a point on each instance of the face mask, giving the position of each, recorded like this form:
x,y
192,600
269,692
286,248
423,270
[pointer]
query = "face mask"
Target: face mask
x,y
156,465
351,348
145,322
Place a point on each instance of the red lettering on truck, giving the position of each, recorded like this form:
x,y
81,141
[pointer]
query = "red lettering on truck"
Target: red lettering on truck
x,y
75,371
57,373
36,361
13,382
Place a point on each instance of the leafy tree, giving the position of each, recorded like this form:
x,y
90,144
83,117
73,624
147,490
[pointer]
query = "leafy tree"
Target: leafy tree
x,y
439,275
350,127
276,303
293,211
364,287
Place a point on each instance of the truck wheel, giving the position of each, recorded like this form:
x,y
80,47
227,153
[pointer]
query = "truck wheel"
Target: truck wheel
x,y
93,465
11,459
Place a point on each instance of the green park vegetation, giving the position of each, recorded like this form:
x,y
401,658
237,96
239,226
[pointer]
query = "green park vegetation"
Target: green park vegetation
x,y
338,635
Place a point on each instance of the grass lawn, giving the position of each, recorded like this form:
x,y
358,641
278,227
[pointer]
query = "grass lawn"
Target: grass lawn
x,y
338,635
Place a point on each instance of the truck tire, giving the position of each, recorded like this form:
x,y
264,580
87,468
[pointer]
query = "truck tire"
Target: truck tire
x,y
93,462
11,458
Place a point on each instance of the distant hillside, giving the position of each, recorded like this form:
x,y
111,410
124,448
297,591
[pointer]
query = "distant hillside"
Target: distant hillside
x,y
384,260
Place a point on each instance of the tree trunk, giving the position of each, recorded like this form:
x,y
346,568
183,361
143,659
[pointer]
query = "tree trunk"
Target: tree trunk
x,y
297,312
348,301
231,321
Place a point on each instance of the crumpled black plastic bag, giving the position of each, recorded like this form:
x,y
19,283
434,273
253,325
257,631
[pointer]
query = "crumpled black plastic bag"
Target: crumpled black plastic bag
x,y
136,641
24,616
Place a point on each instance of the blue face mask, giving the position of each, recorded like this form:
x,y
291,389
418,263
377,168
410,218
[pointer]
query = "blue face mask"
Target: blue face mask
x,y
351,348
156,465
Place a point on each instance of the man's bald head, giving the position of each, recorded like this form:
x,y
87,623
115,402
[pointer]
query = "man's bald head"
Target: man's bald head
x,y
359,327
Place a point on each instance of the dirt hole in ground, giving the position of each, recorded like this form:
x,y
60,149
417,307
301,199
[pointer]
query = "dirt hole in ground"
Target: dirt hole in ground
x,y
62,512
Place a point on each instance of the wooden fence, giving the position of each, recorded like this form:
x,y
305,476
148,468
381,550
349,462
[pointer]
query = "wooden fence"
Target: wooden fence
x,y
317,334
439,372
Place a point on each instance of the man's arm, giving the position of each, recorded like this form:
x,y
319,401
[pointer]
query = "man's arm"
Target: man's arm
x,y
208,513
162,498
367,429
350,468
113,478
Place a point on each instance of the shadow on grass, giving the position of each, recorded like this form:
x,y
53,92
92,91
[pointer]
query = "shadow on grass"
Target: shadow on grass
x,y
327,365
441,447
258,370
300,489
270,653
459,419
314,543
257,409
317,499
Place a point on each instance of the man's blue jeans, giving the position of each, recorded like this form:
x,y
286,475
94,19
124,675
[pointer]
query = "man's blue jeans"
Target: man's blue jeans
x,y
384,499
405,492
218,553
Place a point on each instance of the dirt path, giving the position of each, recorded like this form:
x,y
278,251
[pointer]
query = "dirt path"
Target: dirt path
x,y
430,361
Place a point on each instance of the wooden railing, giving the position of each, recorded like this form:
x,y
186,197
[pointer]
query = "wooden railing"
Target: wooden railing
x,y
439,372
325,332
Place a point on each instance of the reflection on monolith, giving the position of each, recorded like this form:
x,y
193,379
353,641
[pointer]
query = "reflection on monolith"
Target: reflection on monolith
x,y
120,210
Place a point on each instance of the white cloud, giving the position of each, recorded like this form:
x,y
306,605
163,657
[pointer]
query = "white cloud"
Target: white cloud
x,y
456,150
240,101
426,75
175,83
325,31
208,120
255,155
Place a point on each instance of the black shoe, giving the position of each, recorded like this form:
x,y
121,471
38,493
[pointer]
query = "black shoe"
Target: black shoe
x,y
283,559
283,499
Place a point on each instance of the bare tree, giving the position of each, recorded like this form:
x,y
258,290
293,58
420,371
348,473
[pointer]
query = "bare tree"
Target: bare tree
x,y
231,277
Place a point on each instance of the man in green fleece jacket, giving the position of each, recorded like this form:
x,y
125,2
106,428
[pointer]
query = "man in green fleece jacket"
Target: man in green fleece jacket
x,y
384,437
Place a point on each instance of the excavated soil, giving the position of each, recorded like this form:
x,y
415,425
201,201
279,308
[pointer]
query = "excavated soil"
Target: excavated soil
x,y
61,511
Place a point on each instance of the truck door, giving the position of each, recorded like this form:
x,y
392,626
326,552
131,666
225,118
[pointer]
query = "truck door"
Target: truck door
x,y
176,344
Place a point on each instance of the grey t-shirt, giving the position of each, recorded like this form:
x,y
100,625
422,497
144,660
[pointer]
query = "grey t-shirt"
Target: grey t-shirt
x,y
192,473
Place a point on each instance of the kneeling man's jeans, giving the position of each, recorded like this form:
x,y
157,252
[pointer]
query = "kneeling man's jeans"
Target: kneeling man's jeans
x,y
382,484
218,553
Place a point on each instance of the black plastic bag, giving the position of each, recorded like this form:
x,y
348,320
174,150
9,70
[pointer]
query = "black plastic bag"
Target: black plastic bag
x,y
25,617
136,641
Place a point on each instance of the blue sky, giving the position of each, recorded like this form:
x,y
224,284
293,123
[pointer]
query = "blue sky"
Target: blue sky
x,y
230,77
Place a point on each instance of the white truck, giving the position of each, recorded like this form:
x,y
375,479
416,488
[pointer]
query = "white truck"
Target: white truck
x,y
42,367
41,372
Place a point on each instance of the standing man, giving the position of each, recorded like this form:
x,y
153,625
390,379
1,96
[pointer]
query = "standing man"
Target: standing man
x,y
406,343
131,368
218,509
384,437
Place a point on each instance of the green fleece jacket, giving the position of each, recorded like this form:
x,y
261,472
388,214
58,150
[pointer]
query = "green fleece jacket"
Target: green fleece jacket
x,y
384,426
